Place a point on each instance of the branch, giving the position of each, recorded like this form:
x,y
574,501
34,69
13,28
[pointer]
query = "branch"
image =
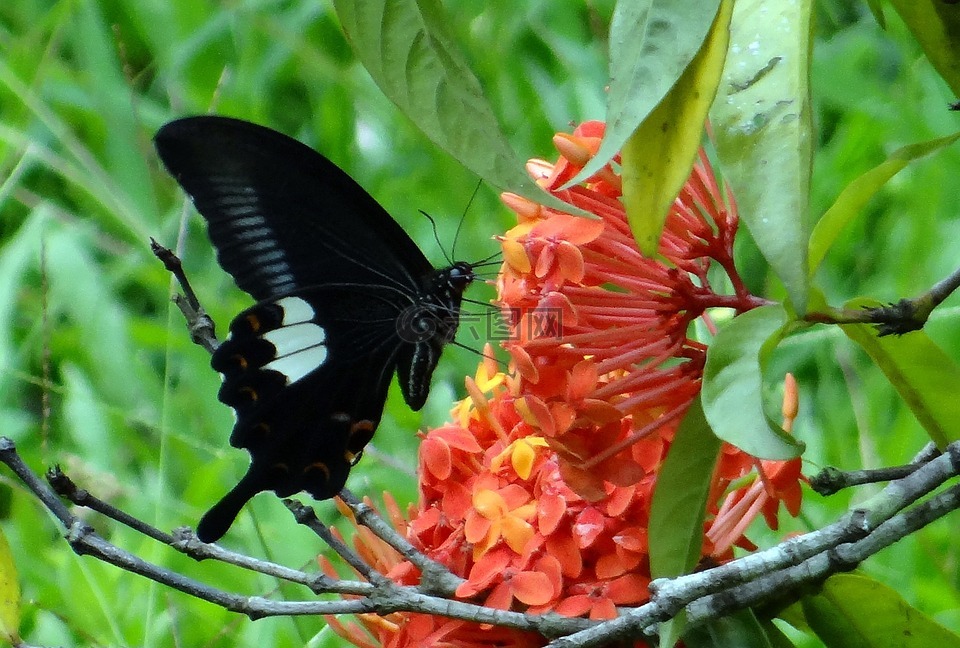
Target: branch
x,y
789,568
380,597
434,577
793,565
832,480
200,325
896,318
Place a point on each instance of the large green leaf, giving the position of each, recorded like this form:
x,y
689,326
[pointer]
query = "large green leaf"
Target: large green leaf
x,y
652,42
406,48
922,373
855,195
762,121
733,385
657,158
853,611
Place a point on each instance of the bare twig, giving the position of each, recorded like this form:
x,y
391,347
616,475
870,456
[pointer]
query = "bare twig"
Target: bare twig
x,y
306,516
434,577
832,480
200,325
382,598
64,487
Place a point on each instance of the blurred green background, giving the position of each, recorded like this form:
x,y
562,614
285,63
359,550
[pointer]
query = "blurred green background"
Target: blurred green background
x,y
97,372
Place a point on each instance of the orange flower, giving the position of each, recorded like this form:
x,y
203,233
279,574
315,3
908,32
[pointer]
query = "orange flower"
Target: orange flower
x,y
538,494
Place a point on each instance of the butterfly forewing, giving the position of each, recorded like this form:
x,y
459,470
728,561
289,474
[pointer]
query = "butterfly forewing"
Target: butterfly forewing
x,y
281,216
345,300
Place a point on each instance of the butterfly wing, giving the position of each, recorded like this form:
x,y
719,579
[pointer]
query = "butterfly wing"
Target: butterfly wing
x,y
340,286
281,216
308,386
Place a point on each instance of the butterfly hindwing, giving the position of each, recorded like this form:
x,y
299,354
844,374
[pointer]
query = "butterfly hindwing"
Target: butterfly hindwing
x,y
345,300
307,392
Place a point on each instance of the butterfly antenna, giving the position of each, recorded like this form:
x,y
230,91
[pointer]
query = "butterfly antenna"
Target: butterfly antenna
x,y
487,305
436,235
488,261
479,353
456,235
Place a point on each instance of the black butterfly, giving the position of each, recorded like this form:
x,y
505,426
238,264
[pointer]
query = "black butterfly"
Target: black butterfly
x,y
345,300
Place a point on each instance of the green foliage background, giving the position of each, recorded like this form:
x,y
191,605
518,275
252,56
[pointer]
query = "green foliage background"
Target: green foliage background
x,y
97,372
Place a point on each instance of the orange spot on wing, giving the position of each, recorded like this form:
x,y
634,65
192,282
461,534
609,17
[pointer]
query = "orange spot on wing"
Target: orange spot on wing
x,y
322,467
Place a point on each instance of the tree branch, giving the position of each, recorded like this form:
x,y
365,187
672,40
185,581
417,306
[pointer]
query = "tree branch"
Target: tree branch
x,y
787,569
434,577
895,318
201,326
793,565
382,596
832,480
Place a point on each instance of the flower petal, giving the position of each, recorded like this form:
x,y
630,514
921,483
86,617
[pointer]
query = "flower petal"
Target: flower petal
x,y
435,454
551,508
515,255
532,588
574,606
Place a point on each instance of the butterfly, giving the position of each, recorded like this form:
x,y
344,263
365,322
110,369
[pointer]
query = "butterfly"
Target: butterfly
x,y
345,300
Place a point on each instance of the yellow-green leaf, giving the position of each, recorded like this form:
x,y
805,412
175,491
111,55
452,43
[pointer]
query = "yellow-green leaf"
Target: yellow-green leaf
x,y
9,594
856,194
656,160
923,374
936,26
652,43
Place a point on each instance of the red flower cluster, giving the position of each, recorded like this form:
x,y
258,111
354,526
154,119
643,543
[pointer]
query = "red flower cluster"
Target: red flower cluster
x,y
538,493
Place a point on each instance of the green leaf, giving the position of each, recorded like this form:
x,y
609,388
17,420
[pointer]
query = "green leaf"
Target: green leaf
x,y
657,158
775,635
855,196
922,373
733,385
679,505
652,42
408,51
680,497
18,253
762,120
936,26
9,594
853,611
876,8
740,629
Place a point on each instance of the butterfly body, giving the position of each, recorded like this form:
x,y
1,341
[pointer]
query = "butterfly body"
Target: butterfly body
x,y
345,300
